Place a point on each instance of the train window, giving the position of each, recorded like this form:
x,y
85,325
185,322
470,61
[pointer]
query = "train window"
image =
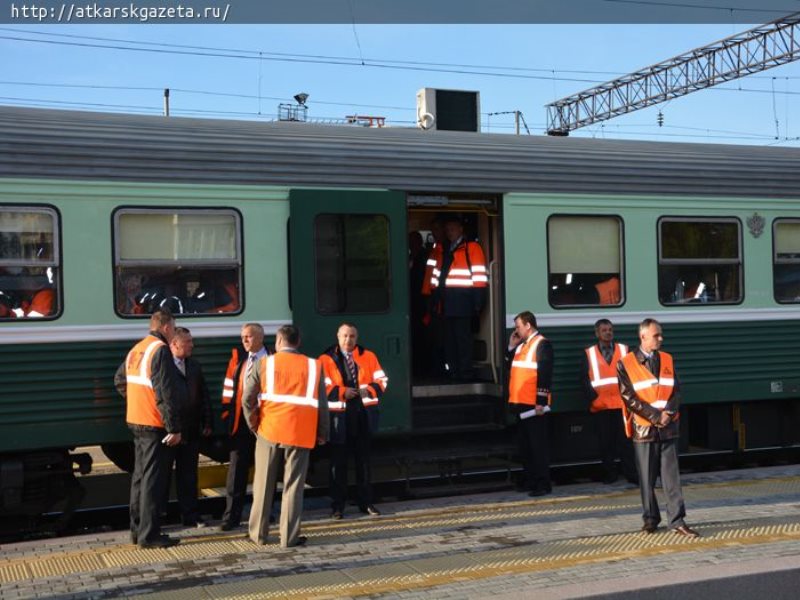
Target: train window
x,y
29,263
585,261
786,260
699,261
352,263
186,260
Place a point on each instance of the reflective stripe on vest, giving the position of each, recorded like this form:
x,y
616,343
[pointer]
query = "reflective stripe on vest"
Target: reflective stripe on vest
x,y
654,391
370,375
140,395
289,403
310,399
468,268
603,378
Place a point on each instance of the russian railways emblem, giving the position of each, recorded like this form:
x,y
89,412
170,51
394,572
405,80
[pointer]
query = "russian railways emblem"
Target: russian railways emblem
x,y
756,225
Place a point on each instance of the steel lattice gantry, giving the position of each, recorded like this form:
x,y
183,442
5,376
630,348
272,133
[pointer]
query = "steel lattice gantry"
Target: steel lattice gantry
x,y
758,49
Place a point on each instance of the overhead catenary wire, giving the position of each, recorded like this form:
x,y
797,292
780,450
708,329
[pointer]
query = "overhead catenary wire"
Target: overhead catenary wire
x,y
348,61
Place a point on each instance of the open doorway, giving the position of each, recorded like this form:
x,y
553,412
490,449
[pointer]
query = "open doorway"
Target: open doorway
x,y
436,382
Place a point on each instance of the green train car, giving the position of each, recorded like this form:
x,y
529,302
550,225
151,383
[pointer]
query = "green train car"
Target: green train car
x,y
232,222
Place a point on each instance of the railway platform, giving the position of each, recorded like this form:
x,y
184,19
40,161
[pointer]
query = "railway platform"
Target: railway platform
x,y
581,541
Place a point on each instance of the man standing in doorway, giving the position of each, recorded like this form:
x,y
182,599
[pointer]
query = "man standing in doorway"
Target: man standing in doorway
x,y
354,383
458,284
648,384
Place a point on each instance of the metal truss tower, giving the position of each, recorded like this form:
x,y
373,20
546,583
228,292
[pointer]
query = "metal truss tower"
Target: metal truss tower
x,y
752,51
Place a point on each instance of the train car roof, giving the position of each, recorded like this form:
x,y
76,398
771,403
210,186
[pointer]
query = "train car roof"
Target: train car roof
x,y
36,143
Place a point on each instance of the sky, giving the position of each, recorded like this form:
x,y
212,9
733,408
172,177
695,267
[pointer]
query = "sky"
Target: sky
x,y
514,67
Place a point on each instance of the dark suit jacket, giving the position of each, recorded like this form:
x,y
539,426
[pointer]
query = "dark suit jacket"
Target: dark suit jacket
x,y
649,433
195,401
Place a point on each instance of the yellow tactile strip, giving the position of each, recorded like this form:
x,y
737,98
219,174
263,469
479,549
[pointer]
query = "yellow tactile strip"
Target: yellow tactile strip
x,y
432,572
215,545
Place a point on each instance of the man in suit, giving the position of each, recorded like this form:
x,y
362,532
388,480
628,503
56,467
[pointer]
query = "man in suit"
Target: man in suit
x,y
196,421
648,384
148,382
284,404
243,442
355,382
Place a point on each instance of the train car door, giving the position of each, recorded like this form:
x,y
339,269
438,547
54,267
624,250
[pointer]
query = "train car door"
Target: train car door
x,y
349,262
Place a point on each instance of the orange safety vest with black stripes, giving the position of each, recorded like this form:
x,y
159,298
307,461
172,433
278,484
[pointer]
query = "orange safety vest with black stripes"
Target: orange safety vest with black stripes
x,y
370,375
523,383
468,269
140,395
603,377
289,399
653,390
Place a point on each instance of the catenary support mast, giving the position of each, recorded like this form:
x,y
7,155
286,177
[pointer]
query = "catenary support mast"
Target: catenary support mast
x,y
752,51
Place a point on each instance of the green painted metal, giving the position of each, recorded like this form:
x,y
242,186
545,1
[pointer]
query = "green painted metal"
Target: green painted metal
x,y
384,333
525,231
62,395
86,209
716,362
738,359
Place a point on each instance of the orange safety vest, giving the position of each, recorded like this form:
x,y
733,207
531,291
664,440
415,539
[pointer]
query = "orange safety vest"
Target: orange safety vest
x,y
609,291
233,305
468,269
231,396
370,374
289,402
603,377
654,391
434,258
140,395
522,386
42,304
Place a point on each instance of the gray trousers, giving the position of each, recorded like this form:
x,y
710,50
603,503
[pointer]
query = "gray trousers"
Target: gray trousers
x,y
652,459
269,460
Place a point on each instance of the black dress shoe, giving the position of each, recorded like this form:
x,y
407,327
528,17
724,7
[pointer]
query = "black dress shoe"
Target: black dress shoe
x,y
228,526
686,531
337,515
370,510
610,478
301,541
162,541
134,538
649,527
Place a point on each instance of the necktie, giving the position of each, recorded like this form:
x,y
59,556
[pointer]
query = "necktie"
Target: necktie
x,y
351,367
608,353
181,366
250,360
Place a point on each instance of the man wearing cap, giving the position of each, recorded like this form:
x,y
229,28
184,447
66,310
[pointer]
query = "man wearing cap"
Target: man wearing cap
x,y
458,283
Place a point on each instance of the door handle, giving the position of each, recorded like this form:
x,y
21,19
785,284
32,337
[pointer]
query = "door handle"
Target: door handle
x,y
393,345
